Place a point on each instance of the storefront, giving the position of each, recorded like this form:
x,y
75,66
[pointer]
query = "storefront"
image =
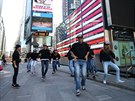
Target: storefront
x,y
124,47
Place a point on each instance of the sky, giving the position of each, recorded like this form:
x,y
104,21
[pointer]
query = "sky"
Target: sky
x,y
12,12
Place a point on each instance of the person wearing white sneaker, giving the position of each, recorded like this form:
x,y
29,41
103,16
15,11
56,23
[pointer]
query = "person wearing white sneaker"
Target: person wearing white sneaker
x,y
34,56
107,59
80,52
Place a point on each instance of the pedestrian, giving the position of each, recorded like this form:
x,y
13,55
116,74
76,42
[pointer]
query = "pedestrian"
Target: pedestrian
x,y
55,56
16,60
107,58
34,56
80,52
70,61
45,57
4,59
28,57
91,67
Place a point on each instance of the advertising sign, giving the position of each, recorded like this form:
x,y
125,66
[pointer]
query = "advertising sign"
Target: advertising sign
x,y
42,5
42,22
38,41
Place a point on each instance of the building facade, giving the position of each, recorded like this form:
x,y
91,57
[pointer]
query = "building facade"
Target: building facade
x,y
1,2
69,6
90,20
38,23
2,31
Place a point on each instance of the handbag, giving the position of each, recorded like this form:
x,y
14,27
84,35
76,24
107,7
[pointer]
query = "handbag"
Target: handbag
x,y
1,68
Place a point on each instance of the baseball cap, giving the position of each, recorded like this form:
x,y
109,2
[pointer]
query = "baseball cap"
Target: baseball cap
x,y
106,43
17,46
80,36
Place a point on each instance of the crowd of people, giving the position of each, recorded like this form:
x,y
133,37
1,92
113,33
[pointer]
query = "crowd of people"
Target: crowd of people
x,y
81,62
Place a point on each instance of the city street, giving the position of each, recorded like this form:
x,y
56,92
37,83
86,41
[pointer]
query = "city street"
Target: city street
x,y
56,87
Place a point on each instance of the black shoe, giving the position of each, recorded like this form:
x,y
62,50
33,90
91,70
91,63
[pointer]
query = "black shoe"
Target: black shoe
x,y
28,70
94,77
72,75
15,85
43,77
53,72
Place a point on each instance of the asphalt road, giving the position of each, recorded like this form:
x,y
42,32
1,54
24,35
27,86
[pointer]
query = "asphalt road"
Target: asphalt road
x,y
56,87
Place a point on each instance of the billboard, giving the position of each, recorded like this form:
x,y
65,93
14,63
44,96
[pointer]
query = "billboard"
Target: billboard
x,y
38,41
42,5
42,22
120,13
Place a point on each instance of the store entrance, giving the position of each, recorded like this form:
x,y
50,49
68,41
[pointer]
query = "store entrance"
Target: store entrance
x,y
124,48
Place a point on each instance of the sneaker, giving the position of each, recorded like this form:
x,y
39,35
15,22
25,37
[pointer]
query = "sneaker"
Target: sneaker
x,y
17,85
28,70
43,78
78,93
120,81
72,75
104,81
83,88
94,77
53,72
13,85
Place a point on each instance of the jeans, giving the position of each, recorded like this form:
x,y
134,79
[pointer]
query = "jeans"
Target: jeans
x,y
58,63
33,65
15,73
71,66
45,65
80,65
109,63
29,64
54,65
91,67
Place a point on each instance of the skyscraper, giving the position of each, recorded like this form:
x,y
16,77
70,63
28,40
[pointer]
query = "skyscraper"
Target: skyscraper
x,y
69,6
1,2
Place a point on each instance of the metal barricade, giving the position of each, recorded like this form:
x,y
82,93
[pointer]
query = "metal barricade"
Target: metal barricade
x,y
131,65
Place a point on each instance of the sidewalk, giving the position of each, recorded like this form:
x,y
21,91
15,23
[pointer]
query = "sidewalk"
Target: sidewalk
x,y
129,83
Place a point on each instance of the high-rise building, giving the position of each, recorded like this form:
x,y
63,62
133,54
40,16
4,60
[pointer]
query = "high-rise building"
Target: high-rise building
x,y
1,2
69,6
2,30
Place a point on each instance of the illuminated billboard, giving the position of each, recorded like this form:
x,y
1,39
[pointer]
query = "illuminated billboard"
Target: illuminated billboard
x,y
42,5
87,19
42,22
38,41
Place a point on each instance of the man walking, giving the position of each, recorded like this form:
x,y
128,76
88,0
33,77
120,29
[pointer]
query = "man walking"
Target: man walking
x,y
45,57
28,57
16,60
107,59
70,61
80,52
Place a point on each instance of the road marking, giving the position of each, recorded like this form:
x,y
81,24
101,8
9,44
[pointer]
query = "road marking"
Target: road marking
x,y
23,96
103,97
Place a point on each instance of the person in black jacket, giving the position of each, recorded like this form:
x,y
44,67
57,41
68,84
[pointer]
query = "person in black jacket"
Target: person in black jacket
x,y
107,59
71,61
45,57
91,67
16,60
80,52
28,57
34,56
55,56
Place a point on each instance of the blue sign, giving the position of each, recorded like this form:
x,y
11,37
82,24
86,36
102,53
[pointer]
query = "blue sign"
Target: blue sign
x,y
43,15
